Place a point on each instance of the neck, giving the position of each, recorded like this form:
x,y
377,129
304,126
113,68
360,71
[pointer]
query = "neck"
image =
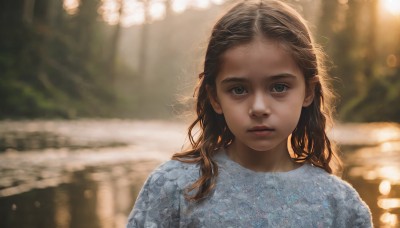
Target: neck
x,y
275,160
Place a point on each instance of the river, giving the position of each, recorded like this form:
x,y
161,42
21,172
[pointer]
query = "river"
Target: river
x,y
87,173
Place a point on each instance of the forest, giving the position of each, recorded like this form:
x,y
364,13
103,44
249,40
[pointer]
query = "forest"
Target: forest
x,y
139,58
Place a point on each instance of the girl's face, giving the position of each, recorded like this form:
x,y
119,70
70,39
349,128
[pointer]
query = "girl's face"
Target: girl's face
x,y
260,90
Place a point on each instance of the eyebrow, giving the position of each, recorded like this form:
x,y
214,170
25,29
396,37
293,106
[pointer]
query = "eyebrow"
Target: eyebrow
x,y
272,78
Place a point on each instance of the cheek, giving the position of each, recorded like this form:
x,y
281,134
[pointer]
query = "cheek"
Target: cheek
x,y
290,115
233,115
232,112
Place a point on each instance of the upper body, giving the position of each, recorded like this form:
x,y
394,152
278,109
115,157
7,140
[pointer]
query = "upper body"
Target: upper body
x,y
304,197
263,93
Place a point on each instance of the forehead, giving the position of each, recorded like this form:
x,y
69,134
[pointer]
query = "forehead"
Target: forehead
x,y
261,57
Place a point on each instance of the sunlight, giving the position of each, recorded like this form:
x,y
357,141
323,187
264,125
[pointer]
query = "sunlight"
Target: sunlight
x,y
105,202
157,10
390,147
109,11
218,2
71,6
179,6
390,173
386,134
201,4
384,187
392,6
134,11
389,203
62,212
389,219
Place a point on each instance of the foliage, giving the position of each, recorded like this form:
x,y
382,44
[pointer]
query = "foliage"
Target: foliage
x,y
53,64
367,84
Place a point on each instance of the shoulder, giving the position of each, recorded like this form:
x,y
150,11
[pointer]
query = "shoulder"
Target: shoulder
x,y
329,183
173,172
346,200
159,198
346,194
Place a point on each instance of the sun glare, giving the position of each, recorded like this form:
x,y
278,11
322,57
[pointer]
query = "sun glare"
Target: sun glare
x,y
157,10
179,6
391,6
202,4
109,11
134,11
71,6
389,219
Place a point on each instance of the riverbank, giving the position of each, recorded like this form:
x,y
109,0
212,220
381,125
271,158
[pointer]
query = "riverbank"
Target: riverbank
x,y
97,168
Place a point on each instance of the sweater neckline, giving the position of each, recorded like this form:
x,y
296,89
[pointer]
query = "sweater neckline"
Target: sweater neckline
x,y
223,157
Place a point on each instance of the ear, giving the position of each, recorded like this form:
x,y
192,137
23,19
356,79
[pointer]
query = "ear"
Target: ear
x,y
212,96
310,91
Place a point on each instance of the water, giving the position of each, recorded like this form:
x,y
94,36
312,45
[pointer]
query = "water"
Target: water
x,y
87,173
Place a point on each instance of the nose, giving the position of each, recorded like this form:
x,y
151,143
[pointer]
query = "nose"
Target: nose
x,y
260,106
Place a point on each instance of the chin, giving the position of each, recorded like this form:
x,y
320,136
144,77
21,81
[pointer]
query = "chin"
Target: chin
x,y
261,149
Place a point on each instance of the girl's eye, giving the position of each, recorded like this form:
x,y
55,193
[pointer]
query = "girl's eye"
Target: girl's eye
x,y
240,90
279,88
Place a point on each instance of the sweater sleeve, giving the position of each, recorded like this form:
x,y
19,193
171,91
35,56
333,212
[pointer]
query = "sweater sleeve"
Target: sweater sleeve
x,y
356,213
158,202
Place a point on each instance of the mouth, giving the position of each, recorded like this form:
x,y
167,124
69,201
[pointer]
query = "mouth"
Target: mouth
x,y
261,130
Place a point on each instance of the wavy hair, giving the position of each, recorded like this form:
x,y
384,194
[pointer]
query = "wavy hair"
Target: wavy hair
x,y
240,25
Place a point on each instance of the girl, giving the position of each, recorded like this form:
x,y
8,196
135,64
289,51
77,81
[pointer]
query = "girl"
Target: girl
x,y
261,157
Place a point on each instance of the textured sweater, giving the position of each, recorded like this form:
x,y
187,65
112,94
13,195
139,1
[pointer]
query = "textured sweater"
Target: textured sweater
x,y
305,197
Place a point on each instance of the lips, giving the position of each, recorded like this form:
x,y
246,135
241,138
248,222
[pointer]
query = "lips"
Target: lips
x,y
261,130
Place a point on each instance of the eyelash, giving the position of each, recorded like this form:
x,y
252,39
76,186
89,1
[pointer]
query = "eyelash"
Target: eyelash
x,y
286,87
232,90
272,90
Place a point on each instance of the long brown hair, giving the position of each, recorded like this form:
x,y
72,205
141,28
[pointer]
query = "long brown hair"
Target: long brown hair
x,y
240,25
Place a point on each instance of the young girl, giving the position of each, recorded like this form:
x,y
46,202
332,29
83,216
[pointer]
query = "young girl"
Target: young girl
x,y
261,157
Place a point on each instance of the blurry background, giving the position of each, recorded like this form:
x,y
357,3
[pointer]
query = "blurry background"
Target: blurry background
x,y
91,100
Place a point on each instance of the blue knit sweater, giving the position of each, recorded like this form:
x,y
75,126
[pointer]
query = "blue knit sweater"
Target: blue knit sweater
x,y
305,197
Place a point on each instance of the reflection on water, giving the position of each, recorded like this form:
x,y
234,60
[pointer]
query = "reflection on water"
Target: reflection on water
x,y
86,201
62,216
95,186
81,186
384,187
375,172
366,134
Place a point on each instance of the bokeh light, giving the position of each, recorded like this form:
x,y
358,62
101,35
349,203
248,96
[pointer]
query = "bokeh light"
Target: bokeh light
x,y
391,6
